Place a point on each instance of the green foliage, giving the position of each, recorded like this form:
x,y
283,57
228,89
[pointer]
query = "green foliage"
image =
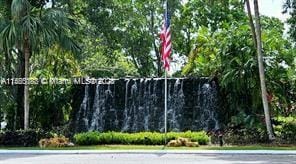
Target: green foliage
x,y
141,138
49,26
290,8
52,101
243,133
243,120
121,38
229,55
195,14
132,27
97,65
48,32
124,29
50,106
88,138
285,129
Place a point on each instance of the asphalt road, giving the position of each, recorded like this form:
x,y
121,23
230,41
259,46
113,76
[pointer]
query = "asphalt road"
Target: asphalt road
x,y
156,158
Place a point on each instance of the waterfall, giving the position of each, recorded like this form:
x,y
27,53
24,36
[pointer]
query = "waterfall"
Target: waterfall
x,y
146,96
126,114
132,105
82,117
209,103
97,116
175,105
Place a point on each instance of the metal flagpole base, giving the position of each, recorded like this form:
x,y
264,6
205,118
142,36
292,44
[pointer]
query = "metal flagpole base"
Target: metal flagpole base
x,y
165,109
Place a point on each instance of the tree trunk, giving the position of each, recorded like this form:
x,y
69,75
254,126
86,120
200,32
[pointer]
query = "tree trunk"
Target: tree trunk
x,y
19,91
158,60
156,49
251,23
261,72
26,87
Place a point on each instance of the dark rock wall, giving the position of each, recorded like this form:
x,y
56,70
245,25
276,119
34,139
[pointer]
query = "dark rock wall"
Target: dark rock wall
x,y
133,105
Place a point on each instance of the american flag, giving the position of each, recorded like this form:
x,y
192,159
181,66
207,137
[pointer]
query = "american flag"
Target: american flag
x,y
165,37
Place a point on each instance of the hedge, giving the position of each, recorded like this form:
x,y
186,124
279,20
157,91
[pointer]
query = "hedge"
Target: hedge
x,y
141,138
22,137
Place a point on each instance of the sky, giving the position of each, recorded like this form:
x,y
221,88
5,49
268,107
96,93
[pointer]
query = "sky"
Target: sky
x,y
272,8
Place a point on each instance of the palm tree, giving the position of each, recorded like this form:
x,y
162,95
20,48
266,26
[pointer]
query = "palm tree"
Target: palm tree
x,y
31,29
256,32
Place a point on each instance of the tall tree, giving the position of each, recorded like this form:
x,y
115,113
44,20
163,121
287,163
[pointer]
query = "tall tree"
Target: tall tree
x,y
130,28
261,70
12,68
31,29
251,22
290,8
194,14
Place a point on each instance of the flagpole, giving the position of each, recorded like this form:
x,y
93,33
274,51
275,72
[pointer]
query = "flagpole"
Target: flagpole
x,y
165,92
165,107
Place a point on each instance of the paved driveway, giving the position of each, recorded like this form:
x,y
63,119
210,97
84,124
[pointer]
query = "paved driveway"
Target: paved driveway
x,y
153,158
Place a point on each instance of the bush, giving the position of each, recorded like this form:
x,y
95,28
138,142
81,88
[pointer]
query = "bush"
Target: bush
x,y
22,137
141,138
285,129
88,138
57,141
243,136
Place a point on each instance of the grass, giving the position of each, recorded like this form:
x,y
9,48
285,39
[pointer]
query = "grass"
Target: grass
x,y
144,147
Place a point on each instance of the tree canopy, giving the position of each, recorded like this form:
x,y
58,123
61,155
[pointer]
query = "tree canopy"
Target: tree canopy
x,y
119,38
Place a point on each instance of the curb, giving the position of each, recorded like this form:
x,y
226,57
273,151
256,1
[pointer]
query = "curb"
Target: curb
x,y
233,152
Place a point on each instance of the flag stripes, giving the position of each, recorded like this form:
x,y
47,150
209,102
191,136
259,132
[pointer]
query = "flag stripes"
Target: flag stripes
x,y
165,37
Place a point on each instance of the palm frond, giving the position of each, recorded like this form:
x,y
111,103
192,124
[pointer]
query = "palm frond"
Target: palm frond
x,y
20,8
8,36
57,18
52,27
30,26
47,36
68,44
56,28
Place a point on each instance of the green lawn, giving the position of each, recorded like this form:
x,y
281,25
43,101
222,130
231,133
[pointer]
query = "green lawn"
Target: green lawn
x,y
143,147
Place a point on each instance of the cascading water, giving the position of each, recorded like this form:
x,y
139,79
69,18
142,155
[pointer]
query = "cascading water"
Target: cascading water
x,y
175,105
126,115
81,117
132,105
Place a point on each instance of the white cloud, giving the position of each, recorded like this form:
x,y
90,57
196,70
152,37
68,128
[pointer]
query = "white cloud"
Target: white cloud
x,y
271,8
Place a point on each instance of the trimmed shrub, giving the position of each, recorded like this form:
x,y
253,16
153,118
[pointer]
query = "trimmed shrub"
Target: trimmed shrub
x,y
87,138
200,137
22,137
141,138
